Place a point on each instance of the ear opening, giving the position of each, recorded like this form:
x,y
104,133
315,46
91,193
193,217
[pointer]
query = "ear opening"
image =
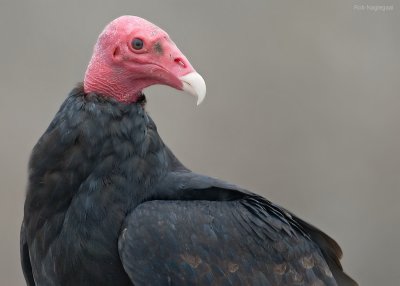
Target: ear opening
x,y
116,53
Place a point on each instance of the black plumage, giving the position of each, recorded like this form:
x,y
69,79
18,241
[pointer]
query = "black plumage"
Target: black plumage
x,y
109,204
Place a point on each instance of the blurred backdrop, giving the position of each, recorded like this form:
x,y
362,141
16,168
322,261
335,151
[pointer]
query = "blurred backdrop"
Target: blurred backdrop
x,y
303,107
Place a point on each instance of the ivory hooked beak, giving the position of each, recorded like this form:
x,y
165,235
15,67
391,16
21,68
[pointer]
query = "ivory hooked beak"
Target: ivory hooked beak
x,y
194,84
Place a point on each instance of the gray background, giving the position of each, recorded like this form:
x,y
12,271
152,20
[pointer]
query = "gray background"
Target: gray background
x,y
302,107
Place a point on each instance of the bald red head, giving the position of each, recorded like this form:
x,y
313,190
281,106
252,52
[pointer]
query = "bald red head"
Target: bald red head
x,y
132,54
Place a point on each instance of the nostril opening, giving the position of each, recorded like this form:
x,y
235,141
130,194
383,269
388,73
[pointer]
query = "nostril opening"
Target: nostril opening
x,y
180,62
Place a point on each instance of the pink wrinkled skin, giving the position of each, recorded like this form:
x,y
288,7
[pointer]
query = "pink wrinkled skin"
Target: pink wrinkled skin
x,y
119,71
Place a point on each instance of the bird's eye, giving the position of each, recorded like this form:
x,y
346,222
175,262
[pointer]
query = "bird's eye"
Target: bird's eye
x,y
137,43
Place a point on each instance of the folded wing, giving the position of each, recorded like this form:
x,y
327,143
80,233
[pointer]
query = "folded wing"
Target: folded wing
x,y
206,232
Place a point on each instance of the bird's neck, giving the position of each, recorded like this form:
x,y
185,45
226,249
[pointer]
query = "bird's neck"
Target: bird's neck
x,y
118,91
94,143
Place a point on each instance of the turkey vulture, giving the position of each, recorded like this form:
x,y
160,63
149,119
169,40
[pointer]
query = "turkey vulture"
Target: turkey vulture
x,y
108,203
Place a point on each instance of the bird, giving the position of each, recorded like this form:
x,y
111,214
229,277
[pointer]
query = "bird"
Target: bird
x,y
108,203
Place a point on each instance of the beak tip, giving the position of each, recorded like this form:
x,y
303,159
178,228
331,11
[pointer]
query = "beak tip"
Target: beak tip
x,y
194,84
200,98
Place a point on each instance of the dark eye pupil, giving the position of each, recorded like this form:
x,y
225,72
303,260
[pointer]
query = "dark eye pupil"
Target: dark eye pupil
x,y
137,44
